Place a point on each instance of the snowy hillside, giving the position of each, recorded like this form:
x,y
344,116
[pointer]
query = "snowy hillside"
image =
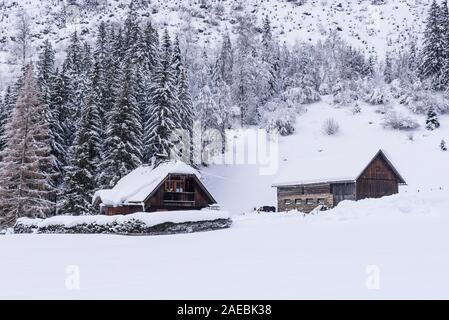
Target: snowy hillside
x,y
416,154
366,26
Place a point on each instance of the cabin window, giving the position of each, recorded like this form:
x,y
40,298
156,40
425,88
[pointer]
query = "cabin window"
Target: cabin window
x,y
321,201
298,201
309,201
174,186
287,202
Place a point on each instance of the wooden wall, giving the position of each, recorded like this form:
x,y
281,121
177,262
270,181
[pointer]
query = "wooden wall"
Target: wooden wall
x,y
377,180
343,191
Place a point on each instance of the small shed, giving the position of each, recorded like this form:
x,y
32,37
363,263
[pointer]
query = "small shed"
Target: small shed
x,y
172,185
327,180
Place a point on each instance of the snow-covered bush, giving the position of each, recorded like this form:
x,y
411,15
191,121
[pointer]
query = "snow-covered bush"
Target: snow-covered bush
x,y
279,116
330,127
376,92
396,89
443,146
396,121
419,99
324,89
356,109
303,94
345,93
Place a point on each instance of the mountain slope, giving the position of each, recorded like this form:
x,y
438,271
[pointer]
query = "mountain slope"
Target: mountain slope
x,y
362,24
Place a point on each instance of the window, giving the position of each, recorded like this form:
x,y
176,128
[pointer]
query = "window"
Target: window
x,y
174,186
321,201
309,201
298,201
287,202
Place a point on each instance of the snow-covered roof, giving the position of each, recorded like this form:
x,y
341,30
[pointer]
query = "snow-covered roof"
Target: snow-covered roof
x,y
329,168
136,186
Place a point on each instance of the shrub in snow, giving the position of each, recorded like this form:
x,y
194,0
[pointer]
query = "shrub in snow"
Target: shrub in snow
x,y
356,109
279,116
419,99
345,93
443,145
331,127
396,121
324,89
396,88
303,94
432,122
376,93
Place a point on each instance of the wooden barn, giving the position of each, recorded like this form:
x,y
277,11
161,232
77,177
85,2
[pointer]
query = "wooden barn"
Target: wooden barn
x,y
173,185
328,180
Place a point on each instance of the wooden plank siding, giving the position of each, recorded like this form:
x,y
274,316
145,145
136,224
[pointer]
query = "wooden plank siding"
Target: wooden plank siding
x,y
377,180
343,191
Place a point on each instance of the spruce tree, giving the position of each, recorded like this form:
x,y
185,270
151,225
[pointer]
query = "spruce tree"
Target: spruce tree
x,y
164,115
432,60
84,158
432,122
27,166
150,43
122,151
187,116
444,30
5,112
46,77
443,145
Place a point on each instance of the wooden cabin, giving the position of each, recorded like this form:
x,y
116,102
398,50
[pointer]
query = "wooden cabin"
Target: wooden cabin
x,y
345,179
172,185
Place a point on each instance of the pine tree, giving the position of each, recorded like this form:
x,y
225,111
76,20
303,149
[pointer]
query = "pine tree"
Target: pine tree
x,y
46,77
443,146
225,61
432,122
187,116
5,112
77,64
150,43
84,159
444,30
102,65
432,60
122,151
131,43
177,60
60,106
26,170
388,70
164,115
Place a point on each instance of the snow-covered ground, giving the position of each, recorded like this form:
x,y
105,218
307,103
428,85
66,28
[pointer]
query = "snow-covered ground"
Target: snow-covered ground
x,y
396,247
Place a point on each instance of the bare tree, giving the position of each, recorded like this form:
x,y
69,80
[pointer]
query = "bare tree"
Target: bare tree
x,y
23,35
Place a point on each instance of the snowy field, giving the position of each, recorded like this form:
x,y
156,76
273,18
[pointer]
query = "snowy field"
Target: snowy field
x,y
396,247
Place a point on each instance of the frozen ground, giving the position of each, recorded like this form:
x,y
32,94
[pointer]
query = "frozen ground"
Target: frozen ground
x,y
396,247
